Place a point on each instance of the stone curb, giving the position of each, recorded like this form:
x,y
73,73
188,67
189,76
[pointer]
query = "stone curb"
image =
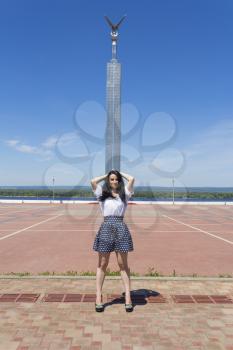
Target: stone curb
x,y
219,279
80,201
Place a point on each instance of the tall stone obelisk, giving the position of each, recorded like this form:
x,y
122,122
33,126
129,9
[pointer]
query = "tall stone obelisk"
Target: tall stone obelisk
x,y
113,105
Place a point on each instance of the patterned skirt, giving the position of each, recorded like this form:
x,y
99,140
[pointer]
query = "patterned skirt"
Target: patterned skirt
x,y
113,235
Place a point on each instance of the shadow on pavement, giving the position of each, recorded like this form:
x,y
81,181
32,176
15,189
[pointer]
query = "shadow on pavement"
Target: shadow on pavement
x,y
138,297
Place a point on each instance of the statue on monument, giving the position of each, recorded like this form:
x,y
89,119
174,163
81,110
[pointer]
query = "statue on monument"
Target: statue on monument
x,y
114,27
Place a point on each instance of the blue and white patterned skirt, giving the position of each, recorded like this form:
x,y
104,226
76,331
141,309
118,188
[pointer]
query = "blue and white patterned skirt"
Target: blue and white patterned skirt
x,y
113,235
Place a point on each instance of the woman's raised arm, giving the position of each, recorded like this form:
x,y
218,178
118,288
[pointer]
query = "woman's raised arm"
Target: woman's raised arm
x,y
130,180
97,179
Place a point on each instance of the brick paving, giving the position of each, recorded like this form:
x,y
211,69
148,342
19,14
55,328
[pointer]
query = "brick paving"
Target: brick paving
x,y
59,314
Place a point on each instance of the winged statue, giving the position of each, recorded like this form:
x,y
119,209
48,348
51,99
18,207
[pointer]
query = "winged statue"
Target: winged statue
x,y
114,27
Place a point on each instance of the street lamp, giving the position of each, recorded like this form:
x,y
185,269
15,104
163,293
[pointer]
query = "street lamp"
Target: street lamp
x,y
53,188
173,189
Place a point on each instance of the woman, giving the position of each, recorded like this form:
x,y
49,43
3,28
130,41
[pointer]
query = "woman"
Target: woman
x,y
113,234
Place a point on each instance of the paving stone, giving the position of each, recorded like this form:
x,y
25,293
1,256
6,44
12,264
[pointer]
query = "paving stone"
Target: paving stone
x,y
9,345
75,325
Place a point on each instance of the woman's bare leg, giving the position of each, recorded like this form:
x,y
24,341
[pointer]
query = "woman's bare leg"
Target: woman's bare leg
x,y
125,274
100,274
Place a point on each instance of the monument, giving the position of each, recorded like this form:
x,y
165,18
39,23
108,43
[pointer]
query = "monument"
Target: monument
x,y
113,105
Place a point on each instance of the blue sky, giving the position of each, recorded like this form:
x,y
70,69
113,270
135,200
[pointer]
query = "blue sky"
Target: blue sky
x,y
177,91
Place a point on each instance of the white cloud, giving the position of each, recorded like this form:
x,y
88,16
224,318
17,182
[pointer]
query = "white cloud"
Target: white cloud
x,y
26,149
12,142
44,150
71,145
210,158
50,142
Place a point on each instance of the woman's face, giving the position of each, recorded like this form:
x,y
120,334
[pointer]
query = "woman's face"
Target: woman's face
x,y
113,181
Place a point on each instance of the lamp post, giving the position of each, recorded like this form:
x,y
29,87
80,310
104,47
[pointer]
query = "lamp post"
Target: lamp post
x,y
173,189
53,188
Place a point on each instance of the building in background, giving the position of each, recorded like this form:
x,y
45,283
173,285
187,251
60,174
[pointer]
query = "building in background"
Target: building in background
x,y
113,105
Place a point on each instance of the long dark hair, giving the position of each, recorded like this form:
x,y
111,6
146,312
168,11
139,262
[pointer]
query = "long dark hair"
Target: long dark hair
x,y
107,191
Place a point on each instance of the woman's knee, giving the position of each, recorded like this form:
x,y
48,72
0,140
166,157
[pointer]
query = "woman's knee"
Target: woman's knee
x,y
103,260
122,261
123,267
103,265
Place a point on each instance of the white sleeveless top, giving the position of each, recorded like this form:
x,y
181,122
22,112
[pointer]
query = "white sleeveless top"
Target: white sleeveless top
x,y
113,206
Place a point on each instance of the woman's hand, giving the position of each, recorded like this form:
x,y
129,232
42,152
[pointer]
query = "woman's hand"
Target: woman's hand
x,y
130,181
126,176
97,179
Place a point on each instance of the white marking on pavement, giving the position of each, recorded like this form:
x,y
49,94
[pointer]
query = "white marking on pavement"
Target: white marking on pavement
x,y
198,229
19,211
26,228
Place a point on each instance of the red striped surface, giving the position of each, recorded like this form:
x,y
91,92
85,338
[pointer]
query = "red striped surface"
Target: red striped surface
x,y
180,239
117,298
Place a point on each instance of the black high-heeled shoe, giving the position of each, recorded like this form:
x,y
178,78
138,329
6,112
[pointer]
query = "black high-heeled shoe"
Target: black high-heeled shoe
x,y
129,307
99,307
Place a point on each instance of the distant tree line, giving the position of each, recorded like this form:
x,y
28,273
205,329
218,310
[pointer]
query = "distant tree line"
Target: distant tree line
x,y
82,193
